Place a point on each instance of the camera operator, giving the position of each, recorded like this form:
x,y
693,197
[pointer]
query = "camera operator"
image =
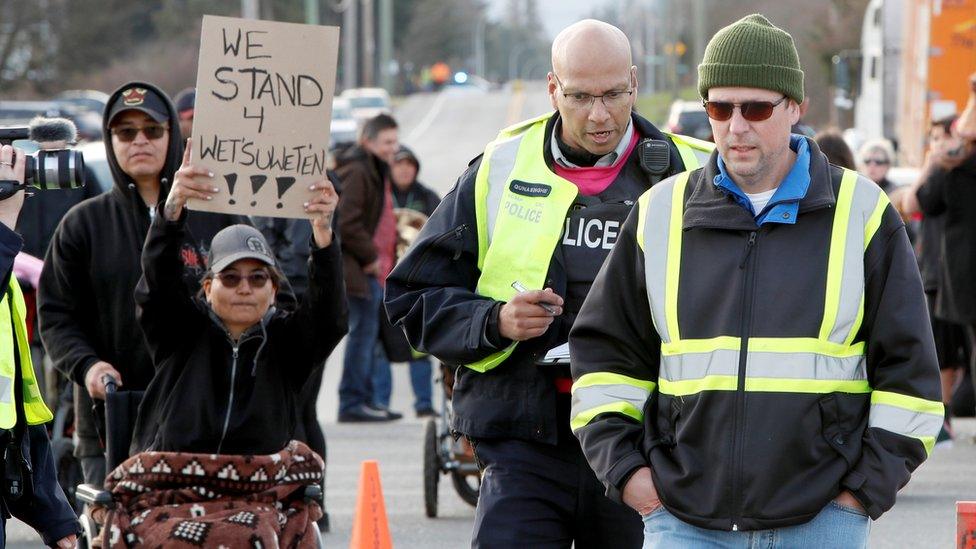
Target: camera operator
x,y
29,487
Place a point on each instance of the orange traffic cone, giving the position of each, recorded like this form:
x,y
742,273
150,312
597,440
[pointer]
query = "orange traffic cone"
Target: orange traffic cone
x,y
370,529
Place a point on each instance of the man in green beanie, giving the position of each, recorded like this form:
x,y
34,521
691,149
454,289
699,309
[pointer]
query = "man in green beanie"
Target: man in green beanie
x,y
754,363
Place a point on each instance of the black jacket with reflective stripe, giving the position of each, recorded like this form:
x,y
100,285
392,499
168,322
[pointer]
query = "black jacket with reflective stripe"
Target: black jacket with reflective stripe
x,y
757,459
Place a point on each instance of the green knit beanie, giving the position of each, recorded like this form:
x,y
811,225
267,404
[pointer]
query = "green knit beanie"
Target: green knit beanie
x,y
752,53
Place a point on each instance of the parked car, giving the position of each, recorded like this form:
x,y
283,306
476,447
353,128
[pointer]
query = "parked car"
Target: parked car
x,y
689,118
343,128
97,162
20,113
92,100
367,102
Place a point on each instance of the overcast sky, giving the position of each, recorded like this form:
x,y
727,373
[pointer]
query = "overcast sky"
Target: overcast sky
x,y
555,14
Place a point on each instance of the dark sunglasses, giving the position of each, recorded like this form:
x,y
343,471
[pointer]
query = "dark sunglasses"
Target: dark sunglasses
x,y
129,133
255,279
875,161
753,111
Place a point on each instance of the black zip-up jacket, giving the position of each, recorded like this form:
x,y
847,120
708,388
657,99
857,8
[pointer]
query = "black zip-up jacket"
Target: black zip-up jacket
x,y
757,459
431,295
85,304
213,395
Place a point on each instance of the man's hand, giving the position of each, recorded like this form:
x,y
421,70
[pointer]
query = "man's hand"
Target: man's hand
x,y
847,499
523,318
12,164
93,379
190,182
640,494
323,205
67,542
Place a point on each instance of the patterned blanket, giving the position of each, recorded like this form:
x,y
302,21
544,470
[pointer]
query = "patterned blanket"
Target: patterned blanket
x,y
177,500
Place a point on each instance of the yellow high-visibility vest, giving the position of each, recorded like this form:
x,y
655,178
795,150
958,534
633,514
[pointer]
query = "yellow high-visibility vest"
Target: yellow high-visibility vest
x,y
12,326
520,208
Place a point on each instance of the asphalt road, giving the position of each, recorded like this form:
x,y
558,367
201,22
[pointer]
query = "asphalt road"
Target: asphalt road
x,y
447,130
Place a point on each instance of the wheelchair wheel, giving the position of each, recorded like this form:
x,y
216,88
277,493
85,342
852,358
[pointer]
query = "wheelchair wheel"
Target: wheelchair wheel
x,y
432,468
467,486
89,532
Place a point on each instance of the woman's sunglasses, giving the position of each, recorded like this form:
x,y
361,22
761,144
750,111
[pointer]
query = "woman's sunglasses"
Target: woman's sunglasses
x,y
255,279
127,134
753,111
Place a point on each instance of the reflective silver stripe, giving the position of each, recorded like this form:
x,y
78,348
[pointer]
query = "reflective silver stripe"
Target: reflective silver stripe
x,y
702,156
5,389
501,162
904,422
587,398
656,229
725,362
863,202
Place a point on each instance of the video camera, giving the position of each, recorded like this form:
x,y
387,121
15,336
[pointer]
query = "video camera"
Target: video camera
x,y
47,169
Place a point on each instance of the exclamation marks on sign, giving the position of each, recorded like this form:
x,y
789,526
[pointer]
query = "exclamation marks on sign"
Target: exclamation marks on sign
x,y
257,181
284,183
231,180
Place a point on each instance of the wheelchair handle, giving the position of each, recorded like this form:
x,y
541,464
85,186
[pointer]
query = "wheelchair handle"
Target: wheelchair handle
x,y
111,385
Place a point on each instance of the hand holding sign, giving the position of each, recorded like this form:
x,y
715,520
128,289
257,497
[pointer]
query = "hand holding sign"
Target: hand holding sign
x,y
190,182
322,206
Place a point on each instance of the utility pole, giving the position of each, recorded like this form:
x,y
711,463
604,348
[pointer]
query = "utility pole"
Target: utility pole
x,y
350,43
699,32
312,12
386,44
250,9
369,44
479,45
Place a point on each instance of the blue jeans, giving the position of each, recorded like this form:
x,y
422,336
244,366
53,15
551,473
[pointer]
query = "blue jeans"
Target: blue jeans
x,y
836,526
420,380
357,365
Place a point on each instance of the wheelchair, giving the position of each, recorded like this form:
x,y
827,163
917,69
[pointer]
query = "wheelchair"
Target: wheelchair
x,y
445,455
120,412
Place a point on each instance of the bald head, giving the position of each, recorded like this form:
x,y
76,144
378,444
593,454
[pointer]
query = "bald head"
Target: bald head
x,y
588,46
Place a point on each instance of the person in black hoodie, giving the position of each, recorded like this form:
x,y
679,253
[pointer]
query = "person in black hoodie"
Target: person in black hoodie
x,y
85,301
229,365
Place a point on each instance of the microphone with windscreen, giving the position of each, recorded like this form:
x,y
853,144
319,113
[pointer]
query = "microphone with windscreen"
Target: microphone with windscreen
x,y
54,166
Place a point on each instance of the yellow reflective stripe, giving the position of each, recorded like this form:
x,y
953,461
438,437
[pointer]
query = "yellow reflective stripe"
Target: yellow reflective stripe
x,y
815,386
491,361
625,408
765,344
642,205
694,386
874,222
762,385
674,256
835,259
914,404
928,442
609,378
481,204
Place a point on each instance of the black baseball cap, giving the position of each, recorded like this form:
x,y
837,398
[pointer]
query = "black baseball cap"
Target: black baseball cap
x,y
238,242
185,100
139,98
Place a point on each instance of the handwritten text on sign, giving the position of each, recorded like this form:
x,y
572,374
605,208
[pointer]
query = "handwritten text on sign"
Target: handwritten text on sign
x,y
264,102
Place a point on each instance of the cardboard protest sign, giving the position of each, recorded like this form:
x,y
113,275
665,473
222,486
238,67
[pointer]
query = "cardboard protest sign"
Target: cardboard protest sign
x,y
262,113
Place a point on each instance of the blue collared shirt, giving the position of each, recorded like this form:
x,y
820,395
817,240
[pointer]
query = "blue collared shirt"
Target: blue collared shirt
x,y
785,203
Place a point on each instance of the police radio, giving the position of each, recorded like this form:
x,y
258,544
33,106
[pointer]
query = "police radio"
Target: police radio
x,y
655,158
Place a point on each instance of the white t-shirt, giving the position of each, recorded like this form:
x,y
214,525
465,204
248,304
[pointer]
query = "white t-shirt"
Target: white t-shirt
x,y
759,200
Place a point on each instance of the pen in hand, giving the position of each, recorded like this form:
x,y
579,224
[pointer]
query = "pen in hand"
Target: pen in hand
x,y
548,307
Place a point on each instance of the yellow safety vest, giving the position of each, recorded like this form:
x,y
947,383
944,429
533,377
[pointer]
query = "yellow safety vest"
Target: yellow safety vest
x,y
15,326
520,208
830,362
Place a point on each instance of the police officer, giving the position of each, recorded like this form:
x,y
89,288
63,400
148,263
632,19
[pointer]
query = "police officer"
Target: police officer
x,y
29,487
755,361
498,274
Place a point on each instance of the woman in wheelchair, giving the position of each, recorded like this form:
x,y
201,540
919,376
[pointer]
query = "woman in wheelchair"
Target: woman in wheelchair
x,y
214,429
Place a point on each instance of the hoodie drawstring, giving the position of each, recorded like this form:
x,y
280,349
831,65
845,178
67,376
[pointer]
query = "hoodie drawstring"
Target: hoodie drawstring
x,y
264,340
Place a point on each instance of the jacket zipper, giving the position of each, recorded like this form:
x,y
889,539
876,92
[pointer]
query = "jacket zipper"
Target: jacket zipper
x,y
457,233
740,398
230,399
